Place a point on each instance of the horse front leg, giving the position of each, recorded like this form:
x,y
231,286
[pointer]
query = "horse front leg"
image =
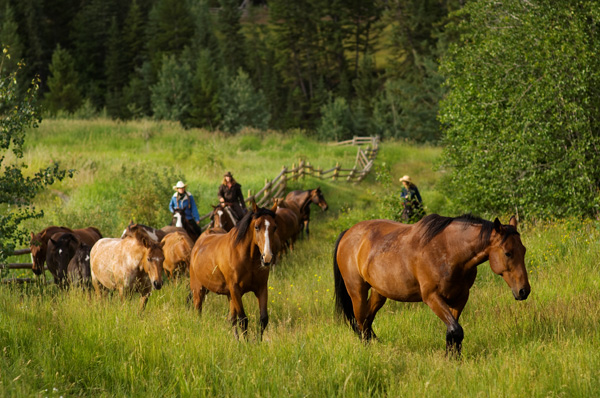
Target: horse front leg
x,y
237,315
263,299
454,332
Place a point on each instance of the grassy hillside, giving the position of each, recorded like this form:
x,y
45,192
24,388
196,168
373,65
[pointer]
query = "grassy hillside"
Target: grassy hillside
x,y
66,343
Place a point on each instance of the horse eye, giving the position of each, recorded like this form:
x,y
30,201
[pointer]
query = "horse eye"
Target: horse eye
x,y
256,227
508,254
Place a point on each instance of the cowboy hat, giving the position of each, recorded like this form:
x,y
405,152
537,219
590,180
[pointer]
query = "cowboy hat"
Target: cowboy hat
x,y
406,179
180,184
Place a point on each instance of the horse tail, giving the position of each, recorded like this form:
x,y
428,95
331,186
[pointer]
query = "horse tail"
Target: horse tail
x,y
343,302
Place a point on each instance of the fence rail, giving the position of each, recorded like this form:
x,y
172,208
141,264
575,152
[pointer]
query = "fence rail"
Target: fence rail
x,y
367,149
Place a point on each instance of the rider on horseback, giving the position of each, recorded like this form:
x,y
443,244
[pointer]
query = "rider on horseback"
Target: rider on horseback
x,y
230,196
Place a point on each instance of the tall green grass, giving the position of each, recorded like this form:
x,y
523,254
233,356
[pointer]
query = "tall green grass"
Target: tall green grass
x,y
55,343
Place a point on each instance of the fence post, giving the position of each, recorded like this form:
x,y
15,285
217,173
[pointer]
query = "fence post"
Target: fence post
x,y
336,172
267,191
301,167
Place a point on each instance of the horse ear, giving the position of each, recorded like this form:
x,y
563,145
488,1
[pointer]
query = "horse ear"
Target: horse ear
x,y
254,206
274,208
497,225
513,221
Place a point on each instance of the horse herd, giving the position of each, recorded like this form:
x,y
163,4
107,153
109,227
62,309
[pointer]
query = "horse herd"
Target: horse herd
x,y
434,260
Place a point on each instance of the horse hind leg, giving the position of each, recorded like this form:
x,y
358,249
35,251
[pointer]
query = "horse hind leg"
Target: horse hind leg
x,y
376,301
198,296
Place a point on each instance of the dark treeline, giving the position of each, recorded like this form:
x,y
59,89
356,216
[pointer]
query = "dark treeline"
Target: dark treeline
x,y
335,67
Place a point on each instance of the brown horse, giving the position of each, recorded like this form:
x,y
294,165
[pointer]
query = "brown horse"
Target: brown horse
x,y
177,249
133,263
78,269
303,199
222,217
434,261
39,243
179,220
288,225
60,250
236,263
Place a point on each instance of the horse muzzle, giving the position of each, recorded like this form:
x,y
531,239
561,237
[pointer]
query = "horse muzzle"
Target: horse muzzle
x,y
522,294
157,285
36,271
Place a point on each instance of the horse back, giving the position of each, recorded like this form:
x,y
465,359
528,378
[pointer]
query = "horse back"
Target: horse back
x,y
383,254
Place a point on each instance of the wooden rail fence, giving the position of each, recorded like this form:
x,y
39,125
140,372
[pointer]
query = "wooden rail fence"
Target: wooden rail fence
x,y
367,149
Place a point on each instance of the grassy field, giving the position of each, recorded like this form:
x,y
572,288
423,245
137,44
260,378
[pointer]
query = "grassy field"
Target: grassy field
x,y
67,344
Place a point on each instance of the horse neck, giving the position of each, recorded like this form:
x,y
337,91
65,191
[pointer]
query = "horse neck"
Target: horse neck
x,y
247,244
472,251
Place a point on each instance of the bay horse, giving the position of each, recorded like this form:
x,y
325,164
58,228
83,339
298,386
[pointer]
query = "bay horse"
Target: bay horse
x,y
177,249
235,263
303,200
222,217
78,269
39,243
60,250
288,224
132,263
434,261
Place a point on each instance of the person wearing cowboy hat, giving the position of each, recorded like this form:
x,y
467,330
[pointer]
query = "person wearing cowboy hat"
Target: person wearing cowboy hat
x,y
411,200
182,199
230,194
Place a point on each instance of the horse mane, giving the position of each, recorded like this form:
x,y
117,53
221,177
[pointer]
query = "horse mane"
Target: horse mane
x,y
242,227
434,224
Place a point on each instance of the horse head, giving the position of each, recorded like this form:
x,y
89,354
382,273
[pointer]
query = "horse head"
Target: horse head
x,y
316,196
178,217
153,258
507,258
221,218
264,232
38,254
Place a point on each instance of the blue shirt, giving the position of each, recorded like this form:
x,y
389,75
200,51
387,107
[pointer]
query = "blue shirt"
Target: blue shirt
x,y
187,204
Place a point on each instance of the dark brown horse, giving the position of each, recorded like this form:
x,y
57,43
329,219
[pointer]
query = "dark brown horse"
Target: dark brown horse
x,y
78,270
222,217
60,250
303,199
236,263
39,243
288,225
434,261
179,220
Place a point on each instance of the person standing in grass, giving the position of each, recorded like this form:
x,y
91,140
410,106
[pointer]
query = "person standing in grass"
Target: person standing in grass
x,y
230,194
411,200
182,199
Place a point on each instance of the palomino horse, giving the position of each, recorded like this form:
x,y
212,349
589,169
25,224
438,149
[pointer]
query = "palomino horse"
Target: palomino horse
x,y
288,225
303,199
177,249
39,243
78,270
222,217
60,250
133,263
434,261
236,263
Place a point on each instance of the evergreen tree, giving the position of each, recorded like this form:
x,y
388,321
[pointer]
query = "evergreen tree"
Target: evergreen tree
x,y
204,96
204,34
116,72
242,105
134,39
170,95
9,38
63,83
233,46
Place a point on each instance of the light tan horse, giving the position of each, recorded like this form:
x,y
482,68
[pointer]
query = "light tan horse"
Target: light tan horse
x,y
177,249
134,263
236,263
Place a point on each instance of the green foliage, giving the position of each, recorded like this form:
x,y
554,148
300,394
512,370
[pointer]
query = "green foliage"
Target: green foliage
x,y
204,110
521,116
233,46
9,38
17,190
145,199
242,105
388,200
63,84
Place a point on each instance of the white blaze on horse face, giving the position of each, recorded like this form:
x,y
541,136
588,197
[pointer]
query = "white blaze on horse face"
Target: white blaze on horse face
x,y
87,257
267,250
178,223
59,251
220,213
